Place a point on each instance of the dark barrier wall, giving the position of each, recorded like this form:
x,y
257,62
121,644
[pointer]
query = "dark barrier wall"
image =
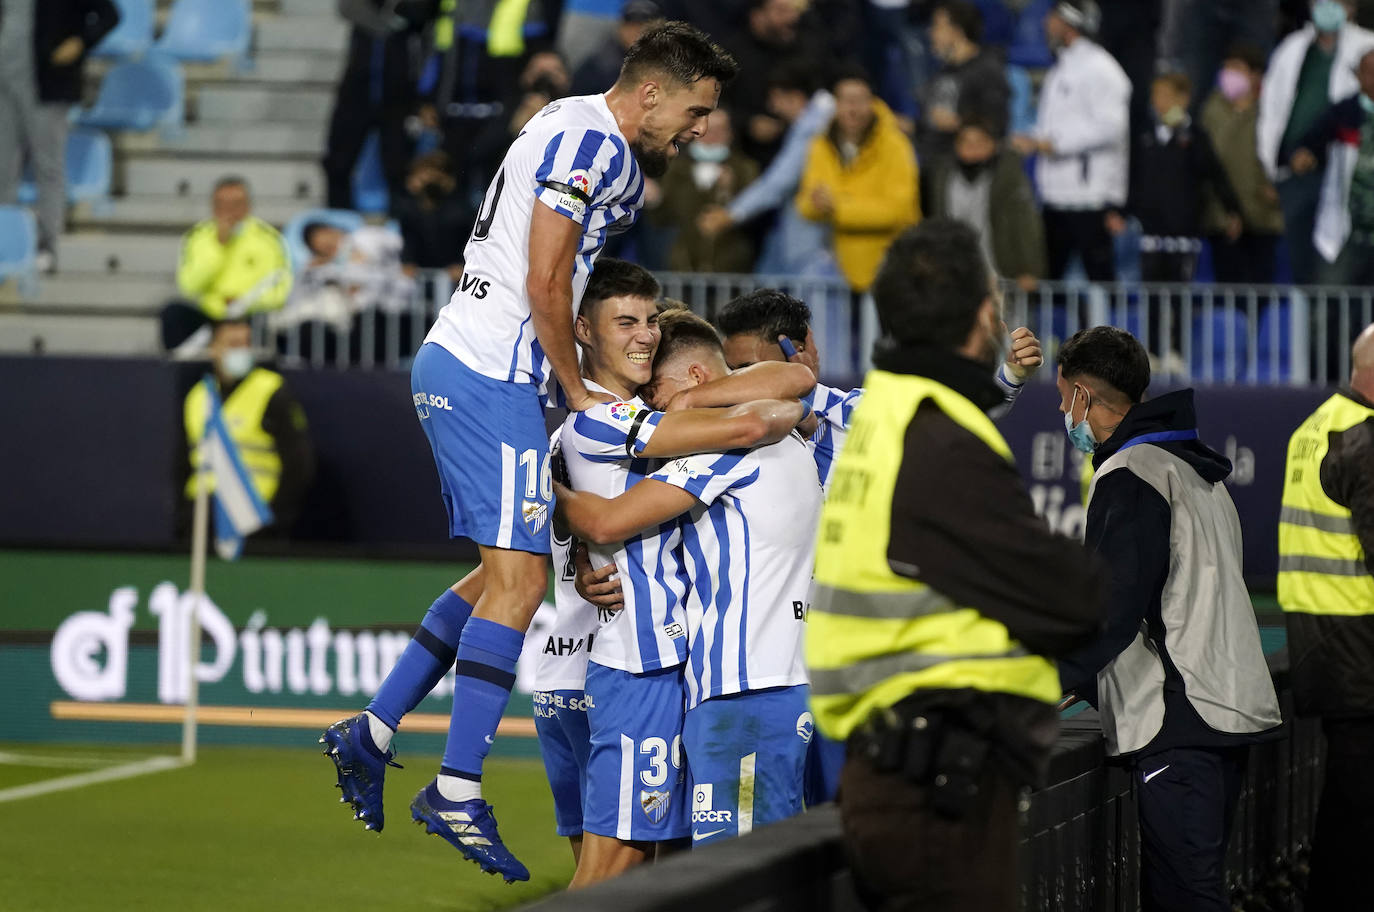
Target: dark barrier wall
x,y
91,448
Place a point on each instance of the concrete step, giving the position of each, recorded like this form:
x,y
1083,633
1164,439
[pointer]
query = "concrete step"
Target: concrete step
x,y
286,33
93,253
78,293
231,103
175,214
278,140
298,66
320,8
54,334
158,175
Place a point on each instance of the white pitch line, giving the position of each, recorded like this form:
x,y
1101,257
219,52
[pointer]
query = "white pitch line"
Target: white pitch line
x,y
53,761
63,783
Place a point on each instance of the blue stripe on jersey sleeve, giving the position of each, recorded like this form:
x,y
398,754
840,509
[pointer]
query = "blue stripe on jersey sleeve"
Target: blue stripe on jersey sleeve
x,y
585,160
642,438
612,436
550,155
723,594
614,166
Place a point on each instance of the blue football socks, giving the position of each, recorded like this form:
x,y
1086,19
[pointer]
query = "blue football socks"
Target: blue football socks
x,y
485,675
426,659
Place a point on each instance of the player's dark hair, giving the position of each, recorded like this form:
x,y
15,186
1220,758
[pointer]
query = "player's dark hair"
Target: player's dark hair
x,y
767,312
680,51
612,278
1177,81
310,230
964,16
931,284
681,331
847,70
1111,355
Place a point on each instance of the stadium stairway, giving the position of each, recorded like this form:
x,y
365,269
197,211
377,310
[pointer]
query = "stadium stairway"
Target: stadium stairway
x,y
267,123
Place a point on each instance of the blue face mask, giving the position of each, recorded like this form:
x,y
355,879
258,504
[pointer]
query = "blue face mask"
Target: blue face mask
x,y
1328,15
1080,435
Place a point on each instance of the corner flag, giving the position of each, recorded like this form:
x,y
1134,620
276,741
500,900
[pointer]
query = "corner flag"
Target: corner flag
x,y
239,509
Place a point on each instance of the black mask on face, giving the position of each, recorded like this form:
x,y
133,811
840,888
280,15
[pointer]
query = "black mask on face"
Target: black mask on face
x,y
973,170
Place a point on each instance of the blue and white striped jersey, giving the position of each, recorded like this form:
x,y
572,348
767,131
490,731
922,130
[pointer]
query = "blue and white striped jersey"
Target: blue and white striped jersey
x,y
601,448
833,407
748,548
573,158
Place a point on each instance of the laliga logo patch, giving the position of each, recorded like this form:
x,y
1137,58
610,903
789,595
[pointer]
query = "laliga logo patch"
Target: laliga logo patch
x,y
654,804
806,727
581,182
535,514
623,412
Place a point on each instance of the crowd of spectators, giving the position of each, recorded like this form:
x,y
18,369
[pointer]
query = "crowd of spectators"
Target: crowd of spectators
x,y
1067,132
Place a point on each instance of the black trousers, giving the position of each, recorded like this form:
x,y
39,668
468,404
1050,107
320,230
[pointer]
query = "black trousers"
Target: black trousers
x,y
355,115
1186,800
1248,260
906,857
1081,231
1345,820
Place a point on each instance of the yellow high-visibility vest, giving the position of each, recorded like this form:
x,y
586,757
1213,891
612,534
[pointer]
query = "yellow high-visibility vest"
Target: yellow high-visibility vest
x,y
1322,566
875,637
243,411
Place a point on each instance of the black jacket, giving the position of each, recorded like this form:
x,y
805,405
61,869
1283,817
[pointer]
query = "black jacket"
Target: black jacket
x,y
1331,657
1128,526
54,21
1167,180
963,524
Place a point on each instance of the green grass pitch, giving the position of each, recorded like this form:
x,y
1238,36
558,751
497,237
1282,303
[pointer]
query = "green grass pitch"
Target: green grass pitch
x,y
253,828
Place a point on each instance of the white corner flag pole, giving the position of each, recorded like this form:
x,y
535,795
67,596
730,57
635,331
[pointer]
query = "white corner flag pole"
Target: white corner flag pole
x,y
199,534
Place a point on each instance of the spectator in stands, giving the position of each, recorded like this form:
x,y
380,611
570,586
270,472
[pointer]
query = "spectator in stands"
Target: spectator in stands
x,y
860,180
43,48
1171,165
985,186
770,37
715,173
492,52
1177,674
792,245
266,422
1326,589
543,81
1195,37
1129,33
1081,139
232,264
1341,144
585,26
971,81
377,92
601,68
1230,117
1310,70
435,217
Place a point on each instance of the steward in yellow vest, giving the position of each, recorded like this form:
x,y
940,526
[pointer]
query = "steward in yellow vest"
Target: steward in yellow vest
x,y
1326,588
940,596
265,420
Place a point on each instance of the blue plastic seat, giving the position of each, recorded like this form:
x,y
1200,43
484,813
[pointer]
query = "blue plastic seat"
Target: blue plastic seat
x,y
19,248
1223,325
133,36
139,95
1274,360
294,232
370,192
207,30
1028,46
90,161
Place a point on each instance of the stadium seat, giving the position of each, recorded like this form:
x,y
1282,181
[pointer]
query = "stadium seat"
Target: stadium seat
x,y
90,161
1222,326
369,179
1028,46
1273,344
19,248
139,95
208,30
133,35
294,232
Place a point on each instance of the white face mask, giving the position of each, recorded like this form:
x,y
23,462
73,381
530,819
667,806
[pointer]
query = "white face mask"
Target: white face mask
x,y
708,152
236,362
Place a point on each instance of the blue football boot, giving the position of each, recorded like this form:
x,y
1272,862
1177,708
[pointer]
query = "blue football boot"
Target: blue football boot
x,y
470,827
361,767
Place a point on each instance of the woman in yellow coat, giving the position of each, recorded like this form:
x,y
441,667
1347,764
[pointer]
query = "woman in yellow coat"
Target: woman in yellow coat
x,y
860,179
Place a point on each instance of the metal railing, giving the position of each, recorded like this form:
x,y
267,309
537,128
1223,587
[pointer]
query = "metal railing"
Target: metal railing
x,y
1195,333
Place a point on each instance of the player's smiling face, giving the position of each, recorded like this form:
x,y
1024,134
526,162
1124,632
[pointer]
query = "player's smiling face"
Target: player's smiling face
x,y
674,116
620,339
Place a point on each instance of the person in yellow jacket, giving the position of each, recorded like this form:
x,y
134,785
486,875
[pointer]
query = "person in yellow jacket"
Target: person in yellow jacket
x,y
1326,589
860,180
265,420
231,264
940,597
